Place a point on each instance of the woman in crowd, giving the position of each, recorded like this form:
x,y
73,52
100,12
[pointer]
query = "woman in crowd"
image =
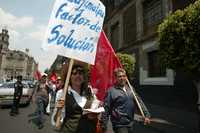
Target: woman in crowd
x,y
78,98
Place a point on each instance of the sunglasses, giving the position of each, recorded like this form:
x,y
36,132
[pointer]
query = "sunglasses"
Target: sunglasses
x,y
79,72
120,76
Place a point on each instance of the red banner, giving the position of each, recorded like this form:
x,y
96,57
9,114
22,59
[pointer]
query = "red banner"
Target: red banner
x,y
106,61
53,77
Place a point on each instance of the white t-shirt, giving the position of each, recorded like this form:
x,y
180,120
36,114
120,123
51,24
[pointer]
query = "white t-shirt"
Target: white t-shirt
x,y
80,100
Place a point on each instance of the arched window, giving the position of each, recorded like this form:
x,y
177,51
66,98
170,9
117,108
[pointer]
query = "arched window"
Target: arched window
x,y
1,47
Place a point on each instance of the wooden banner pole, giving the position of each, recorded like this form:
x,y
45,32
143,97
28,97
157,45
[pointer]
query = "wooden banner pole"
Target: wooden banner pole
x,y
137,102
58,123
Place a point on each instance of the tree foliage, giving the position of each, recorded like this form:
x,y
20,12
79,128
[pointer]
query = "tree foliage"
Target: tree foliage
x,y
179,39
128,63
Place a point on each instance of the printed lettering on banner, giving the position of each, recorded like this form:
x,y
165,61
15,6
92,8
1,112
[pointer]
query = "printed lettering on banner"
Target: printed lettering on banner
x,y
74,29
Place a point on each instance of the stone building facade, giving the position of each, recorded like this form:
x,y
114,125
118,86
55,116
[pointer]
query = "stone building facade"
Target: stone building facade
x,y
131,26
13,62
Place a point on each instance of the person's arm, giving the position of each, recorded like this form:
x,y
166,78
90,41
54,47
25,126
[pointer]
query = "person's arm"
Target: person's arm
x,y
35,89
143,106
21,88
146,112
59,95
15,90
105,115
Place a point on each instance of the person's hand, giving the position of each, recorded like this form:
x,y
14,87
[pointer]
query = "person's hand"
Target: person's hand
x,y
60,103
92,116
147,121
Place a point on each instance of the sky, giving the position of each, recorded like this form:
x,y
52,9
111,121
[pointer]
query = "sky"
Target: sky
x,y
26,21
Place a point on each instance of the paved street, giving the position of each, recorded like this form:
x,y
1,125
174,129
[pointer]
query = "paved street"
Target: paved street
x,y
171,121
20,123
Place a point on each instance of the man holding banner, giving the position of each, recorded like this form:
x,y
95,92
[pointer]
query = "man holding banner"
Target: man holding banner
x,y
119,104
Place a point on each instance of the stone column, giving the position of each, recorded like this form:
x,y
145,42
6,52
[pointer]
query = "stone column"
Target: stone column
x,y
139,19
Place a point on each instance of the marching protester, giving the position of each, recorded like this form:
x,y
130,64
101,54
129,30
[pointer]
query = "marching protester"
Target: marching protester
x,y
51,91
59,96
119,104
59,84
40,97
18,90
53,81
78,98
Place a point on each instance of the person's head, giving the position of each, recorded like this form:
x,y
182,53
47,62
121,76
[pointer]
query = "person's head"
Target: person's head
x,y
43,78
120,75
60,83
19,78
77,75
58,78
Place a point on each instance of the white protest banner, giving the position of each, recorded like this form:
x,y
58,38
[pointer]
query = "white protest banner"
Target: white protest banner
x,y
74,29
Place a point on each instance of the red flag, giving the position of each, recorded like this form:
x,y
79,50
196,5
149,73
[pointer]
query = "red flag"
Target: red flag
x,y
53,77
37,73
106,61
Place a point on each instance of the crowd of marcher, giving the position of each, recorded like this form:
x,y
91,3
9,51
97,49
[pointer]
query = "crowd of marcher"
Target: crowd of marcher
x,y
75,105
44,97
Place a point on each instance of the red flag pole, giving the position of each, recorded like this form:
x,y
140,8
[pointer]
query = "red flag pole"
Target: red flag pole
x,y
135,97
107,57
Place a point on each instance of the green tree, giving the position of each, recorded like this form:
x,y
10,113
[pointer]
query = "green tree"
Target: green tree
x,y
179,41
128,63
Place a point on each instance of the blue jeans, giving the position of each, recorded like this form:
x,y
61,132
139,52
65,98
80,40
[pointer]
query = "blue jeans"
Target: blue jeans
x,y
41,109
123,130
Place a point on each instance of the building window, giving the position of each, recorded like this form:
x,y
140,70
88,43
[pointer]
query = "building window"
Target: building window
x,y
152,13
180,4
155,69
117,3
151,71
129,22
120,3
115,35
1,47
10,56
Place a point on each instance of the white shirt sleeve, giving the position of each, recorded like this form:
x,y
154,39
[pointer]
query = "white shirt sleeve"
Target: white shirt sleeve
x,y
59,94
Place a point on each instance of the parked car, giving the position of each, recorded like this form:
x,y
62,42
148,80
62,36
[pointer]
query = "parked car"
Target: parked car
x,y
7,91
30,83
